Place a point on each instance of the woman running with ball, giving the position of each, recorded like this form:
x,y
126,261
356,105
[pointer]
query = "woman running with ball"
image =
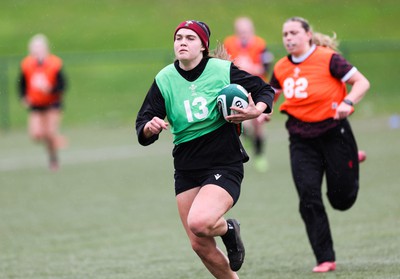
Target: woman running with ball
x,y
208,155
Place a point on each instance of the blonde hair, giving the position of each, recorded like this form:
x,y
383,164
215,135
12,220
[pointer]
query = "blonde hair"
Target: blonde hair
x,y
326,41
318,38
220,52
38,38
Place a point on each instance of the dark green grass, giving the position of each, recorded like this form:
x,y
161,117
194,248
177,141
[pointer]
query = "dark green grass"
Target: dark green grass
x,y
113,49
120,24
110,212
107,89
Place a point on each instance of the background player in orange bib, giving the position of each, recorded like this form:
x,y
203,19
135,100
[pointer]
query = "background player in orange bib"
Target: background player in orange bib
x,y
250,53
41,87
313,80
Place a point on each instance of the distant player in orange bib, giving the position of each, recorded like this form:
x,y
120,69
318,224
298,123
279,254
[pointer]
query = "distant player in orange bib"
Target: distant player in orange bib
x,y
250,53
41,87
313,80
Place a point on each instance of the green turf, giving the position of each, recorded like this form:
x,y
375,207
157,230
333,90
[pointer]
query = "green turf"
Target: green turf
x,y
110,212
113,49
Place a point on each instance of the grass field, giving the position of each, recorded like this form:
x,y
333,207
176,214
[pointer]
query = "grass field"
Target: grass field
x,y
113,49
110,211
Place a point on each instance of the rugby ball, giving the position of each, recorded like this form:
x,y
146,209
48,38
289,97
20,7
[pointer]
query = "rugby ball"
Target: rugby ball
x,y
232,95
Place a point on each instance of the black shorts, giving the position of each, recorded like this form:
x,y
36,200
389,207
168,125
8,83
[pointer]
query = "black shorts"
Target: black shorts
x,y
57,105
228,178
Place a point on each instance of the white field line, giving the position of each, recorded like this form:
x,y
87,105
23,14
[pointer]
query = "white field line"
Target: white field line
x,y
37,159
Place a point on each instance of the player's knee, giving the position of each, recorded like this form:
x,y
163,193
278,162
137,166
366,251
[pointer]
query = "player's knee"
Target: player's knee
x,y
345,196
37,136
342,203
199,227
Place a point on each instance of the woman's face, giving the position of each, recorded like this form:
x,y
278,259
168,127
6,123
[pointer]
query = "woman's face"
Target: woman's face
x,y
188,46
244,29
39,49
295,38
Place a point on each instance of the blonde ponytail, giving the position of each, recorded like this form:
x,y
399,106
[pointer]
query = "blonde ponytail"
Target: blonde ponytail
x,y
324,40
220,52
318,38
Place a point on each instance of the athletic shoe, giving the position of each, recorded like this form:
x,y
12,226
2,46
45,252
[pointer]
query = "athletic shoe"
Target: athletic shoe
x,y
235,248
325,267
362,156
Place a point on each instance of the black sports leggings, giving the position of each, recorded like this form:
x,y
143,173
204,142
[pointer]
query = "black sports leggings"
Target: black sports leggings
x,y
334,154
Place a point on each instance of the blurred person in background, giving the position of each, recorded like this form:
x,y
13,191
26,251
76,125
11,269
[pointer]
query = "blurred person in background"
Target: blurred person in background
x,y
208,154
313,80
41,87
249,52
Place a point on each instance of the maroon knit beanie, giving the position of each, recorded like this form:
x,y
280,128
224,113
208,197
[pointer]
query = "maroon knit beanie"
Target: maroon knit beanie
x,y
200,28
